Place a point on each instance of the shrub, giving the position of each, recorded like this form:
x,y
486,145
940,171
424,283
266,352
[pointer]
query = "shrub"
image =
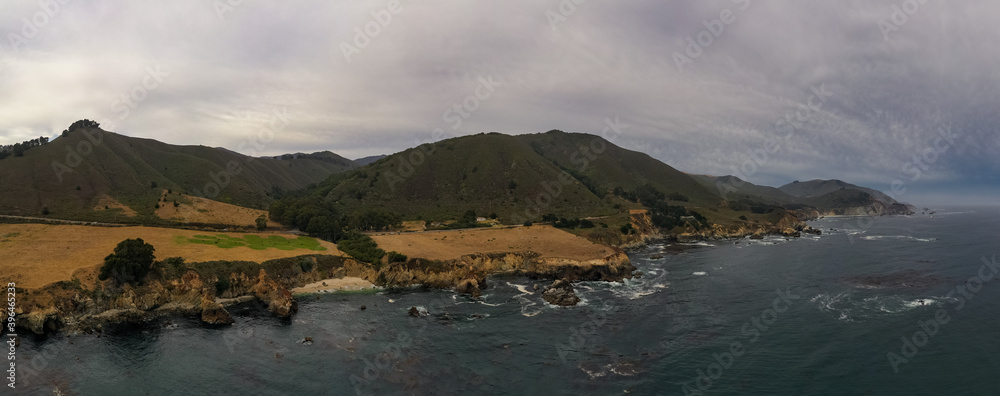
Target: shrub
x,y
677,197
222,285
130,262
742,217
527,223
261,221
45,210
396,257
171,267
305,264
361,247
627,229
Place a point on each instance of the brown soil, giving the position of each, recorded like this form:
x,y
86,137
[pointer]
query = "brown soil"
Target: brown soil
x,y
111,203
445,245
33,255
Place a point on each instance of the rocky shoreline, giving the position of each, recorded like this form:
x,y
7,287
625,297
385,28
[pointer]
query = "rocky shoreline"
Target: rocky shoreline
x,y
70,308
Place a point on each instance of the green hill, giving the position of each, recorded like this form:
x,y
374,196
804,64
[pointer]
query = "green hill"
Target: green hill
x,y
603,166
75,174
541,177
485,173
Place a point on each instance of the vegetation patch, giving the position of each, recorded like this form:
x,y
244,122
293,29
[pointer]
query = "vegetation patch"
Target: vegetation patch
x,y
255,242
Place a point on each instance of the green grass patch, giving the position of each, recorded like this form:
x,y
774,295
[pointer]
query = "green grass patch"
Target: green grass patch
x,y
253,241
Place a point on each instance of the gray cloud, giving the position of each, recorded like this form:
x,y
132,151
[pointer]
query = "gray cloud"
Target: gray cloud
x,y
226,74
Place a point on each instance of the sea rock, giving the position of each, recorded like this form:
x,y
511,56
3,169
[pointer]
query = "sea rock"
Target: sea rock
x,y
214,314
560,293
468,286
278,299
417,312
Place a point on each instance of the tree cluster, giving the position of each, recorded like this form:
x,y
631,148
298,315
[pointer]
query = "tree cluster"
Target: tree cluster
x,y
562,222
131,261
81,124
323,220
18,149
662,214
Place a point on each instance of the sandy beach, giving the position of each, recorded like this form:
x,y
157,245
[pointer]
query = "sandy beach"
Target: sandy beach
x,y
334,284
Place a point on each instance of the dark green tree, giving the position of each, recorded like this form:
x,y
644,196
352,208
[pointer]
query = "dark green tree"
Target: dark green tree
x,y
130,263
261,222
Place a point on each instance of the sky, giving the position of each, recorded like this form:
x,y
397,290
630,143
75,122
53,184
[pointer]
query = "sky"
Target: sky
x,y
877,93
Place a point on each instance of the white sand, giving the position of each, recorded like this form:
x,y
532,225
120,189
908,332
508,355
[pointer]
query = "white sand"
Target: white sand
x,y
334,284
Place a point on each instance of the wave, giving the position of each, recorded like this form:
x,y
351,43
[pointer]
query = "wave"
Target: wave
x,y
699,273
903,237
632,289
847,306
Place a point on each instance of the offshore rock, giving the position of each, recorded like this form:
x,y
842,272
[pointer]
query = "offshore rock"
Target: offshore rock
x,y
213,313
560,293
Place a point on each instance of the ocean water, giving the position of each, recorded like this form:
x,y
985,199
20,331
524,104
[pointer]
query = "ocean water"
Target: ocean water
x,y
817,315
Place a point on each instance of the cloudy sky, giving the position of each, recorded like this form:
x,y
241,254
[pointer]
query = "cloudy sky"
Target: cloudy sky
x,y
871,92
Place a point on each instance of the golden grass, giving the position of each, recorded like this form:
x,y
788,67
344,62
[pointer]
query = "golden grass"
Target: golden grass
x,y
193,209
34,255
444,245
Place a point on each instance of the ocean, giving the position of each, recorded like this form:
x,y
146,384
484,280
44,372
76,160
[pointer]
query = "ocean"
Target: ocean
x,y
905,305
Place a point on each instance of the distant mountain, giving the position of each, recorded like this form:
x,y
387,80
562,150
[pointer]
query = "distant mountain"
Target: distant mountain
x,y
811,198
77,175
367,160
815,188
325,156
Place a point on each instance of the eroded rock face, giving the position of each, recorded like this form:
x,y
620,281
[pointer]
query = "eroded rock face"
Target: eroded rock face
x,y
278,299
468,286
560,293
213,313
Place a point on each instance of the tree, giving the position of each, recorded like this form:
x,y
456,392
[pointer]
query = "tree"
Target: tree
x,y
45,211
18,150
130,263
261,222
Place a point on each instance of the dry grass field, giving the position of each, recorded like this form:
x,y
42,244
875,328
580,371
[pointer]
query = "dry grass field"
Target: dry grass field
x,y
193,209
444,245
33,255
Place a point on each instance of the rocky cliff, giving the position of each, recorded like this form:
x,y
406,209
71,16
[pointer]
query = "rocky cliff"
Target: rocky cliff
x,y
205,290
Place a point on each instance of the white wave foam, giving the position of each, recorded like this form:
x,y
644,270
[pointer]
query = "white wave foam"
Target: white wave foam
x,y
847,307
699,273
905,237
521,288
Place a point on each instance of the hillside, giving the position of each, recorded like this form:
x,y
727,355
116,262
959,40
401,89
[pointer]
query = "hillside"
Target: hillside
x,y
485,173
815,188
367,160
87,173
814,197
603,193
603,166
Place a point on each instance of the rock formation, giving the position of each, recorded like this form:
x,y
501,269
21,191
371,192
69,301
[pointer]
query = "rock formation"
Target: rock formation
x,y
560,293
